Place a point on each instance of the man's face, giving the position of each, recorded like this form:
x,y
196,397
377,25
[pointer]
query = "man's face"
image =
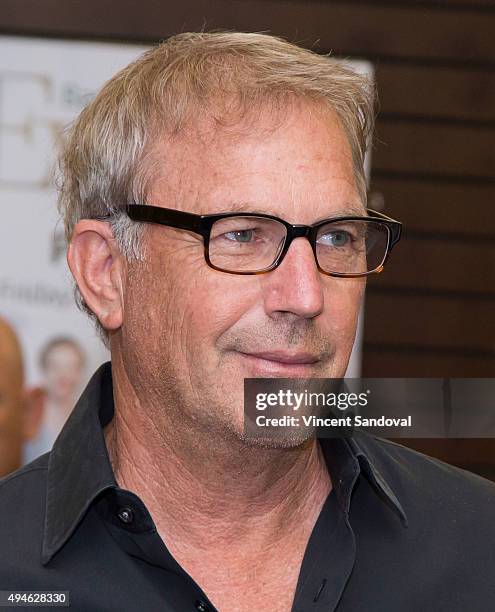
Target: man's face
x,y
189,331
63,371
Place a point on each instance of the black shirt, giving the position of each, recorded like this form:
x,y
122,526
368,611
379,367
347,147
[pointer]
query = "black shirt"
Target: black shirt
x,y
398,532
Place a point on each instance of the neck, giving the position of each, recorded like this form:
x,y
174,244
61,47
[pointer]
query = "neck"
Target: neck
x,y
211,491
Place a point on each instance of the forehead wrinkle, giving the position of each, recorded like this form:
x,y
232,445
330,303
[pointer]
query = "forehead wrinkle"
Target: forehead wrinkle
x,y
207,205
243,206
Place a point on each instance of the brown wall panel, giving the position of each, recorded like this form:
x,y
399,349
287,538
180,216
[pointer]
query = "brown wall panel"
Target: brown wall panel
x,y
413,321
466,265
354,28
432,149
437,206
381,360
470,5
441,92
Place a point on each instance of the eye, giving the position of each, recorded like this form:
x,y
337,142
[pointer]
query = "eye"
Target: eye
x,y
239,235
338,238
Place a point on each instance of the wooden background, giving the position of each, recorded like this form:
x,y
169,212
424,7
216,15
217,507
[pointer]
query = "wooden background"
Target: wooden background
x,y
432,312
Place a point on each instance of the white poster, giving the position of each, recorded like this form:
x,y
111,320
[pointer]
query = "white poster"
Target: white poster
x,y
44,84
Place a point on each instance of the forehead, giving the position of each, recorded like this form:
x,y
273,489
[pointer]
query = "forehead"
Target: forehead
x,y
61,352
297,163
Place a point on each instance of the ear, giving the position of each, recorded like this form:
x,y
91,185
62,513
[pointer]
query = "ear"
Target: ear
x,y
33,401
98,268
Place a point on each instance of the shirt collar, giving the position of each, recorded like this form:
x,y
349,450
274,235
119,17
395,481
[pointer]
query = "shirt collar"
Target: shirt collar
x,y
363,446
79,467
351,456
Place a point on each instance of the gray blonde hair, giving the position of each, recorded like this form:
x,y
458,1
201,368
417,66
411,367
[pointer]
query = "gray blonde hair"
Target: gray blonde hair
x,y
103,162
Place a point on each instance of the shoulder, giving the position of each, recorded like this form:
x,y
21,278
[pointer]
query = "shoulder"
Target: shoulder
x,y
27,480
426,486
22,500
416,468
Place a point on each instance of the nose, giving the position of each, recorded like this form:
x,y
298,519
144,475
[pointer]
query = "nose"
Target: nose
x,y
296,285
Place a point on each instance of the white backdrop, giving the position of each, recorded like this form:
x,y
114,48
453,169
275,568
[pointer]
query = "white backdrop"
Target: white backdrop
x,y
43,86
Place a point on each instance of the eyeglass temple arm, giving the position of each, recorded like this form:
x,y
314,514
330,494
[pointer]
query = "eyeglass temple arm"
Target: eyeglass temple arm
x,y
396,226
165,216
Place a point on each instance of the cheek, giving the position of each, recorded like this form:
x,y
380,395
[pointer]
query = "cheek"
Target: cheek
x,y
180,305
342,304
219,302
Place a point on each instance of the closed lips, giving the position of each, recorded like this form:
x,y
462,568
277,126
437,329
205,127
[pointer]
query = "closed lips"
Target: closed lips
x,y
285,357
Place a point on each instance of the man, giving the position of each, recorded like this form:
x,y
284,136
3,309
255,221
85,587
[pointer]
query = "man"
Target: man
x,y
20,411
185,185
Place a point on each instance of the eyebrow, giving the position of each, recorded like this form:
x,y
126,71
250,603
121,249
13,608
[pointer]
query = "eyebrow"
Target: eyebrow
x,y
348,211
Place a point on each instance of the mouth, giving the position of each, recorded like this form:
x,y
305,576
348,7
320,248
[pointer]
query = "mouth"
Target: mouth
x,y
281,363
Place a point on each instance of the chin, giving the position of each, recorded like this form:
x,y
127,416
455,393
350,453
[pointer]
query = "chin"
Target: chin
x,y
276,442
288,439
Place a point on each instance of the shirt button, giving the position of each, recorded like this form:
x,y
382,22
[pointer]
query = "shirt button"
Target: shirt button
x,y
126,515
202,606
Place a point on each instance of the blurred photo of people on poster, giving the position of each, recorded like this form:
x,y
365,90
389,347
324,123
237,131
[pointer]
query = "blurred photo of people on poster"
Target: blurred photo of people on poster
x,y
20,410
62,366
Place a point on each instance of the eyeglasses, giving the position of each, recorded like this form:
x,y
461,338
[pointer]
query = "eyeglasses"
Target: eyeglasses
x,y
255,243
